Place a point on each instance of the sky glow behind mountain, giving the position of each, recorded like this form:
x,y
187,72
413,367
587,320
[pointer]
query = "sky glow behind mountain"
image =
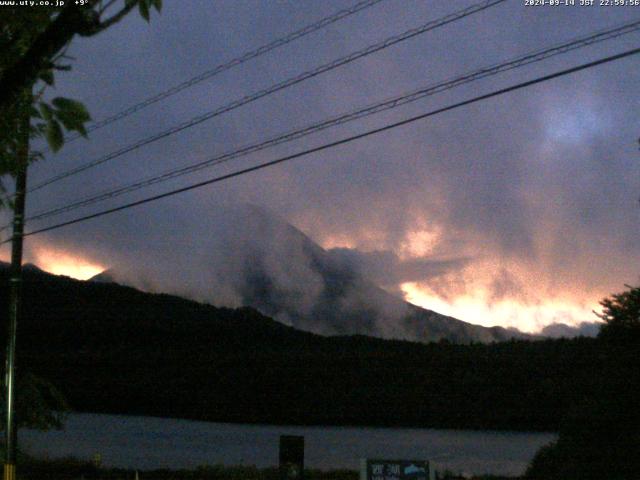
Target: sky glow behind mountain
x,y
519,211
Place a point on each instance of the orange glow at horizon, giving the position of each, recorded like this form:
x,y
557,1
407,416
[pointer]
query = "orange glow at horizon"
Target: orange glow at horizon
x,y
64,263
488,291
475,308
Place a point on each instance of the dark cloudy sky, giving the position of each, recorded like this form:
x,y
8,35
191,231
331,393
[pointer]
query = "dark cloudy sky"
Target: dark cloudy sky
x,y
520,211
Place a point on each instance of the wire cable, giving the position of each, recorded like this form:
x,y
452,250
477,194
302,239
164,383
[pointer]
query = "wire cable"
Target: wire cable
x,y
275,88
520,61
306,30
342,141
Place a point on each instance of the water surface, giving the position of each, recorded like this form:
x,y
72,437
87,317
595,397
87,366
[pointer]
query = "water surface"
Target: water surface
x,y
148,443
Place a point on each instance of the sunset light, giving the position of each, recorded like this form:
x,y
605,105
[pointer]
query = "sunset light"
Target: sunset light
x,y
409,228
60,262
475,308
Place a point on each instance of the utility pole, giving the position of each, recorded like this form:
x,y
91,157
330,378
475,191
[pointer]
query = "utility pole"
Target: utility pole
x,y
15,291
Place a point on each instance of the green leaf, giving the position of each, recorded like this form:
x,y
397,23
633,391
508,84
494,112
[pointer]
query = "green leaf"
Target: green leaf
x,y
47,76
35,113
144,9
158,5
69,120
47,111
71,107
55,137
81,130
72,114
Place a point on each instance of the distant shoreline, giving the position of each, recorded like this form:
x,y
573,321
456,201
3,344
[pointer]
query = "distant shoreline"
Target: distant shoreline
x,y
317,425
153,443
63,469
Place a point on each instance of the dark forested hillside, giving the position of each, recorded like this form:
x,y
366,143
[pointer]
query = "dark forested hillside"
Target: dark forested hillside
x,y
115,349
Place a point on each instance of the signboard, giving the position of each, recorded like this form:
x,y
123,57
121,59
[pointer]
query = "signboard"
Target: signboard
x,y
291,457
373,469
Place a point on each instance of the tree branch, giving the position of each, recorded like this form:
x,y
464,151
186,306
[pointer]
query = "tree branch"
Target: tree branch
x,y
25,71
70,21
113,20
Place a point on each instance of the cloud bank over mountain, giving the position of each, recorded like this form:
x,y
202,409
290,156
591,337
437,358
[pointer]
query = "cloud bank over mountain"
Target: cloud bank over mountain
x,y
520,210
260,260
558,330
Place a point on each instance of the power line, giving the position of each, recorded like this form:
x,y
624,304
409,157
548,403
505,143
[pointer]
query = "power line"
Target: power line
x,y
277,87
306,30
388,104
343,141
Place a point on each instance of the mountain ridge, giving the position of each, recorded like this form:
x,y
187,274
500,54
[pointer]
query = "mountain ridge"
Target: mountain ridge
x,y
282,272
115,349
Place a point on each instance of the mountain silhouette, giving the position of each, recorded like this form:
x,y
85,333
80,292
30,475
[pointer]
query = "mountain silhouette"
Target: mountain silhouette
x,y
277,269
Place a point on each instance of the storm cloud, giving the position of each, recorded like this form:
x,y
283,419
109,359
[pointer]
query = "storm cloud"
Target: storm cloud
x,y
531,197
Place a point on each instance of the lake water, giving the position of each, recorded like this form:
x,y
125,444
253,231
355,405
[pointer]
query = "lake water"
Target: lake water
x,y
148,443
